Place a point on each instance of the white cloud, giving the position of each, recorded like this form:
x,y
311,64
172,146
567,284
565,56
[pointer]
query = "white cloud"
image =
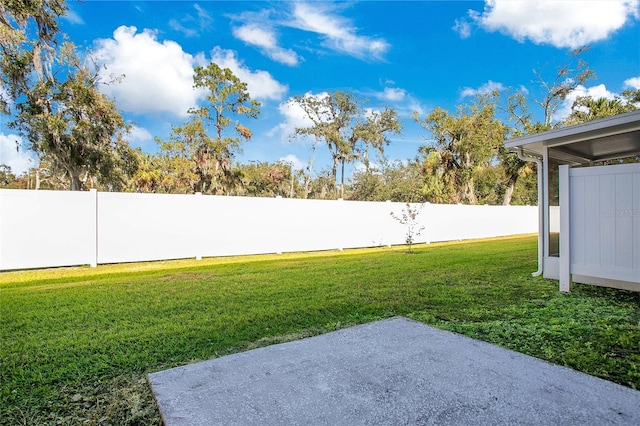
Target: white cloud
x,y
13,155
485,89
191,26
72,17
295,162
294,117
5,97
561,23
392,94
373,167
204,18
416,107
321,18
177,25
633,83
338,31
158,75
370,112
255,35
265,39
261,84
404,103
139,136
462,27
595,92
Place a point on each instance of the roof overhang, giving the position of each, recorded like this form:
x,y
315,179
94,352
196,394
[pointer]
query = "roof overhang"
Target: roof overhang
x,y
598,140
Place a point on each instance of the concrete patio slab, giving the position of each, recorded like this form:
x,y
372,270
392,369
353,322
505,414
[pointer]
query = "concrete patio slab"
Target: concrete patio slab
x,y
391,372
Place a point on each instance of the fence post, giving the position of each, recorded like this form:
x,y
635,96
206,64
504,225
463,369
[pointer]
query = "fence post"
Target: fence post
x,y
279,248
388,237
94,201
198,244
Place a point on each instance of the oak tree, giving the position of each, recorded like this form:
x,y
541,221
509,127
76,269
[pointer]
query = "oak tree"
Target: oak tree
x,y
462,145
52,94
74,127
339,119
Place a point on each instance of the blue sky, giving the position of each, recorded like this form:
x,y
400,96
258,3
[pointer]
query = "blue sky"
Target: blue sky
x,y
409,55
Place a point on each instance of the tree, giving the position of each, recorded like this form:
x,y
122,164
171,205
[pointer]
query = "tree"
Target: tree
x,y
319,187
72,126
27,41
226,94
149,174
513,169
436,188
207,162
555,91
7,177
409,218
263,179
389,180
587,108
54,98
463,143
339,120
567,79
200,162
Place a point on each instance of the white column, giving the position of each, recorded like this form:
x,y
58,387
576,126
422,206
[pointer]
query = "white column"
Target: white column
x,y
565,230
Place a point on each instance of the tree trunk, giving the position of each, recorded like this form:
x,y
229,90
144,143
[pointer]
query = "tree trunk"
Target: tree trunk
x,y
508,194
307,183
76,182
291,187
307,177
323,190
342,181
469,185
470,192
334,170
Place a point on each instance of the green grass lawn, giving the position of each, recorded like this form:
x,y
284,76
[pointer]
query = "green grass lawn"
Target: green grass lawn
x,y
77,343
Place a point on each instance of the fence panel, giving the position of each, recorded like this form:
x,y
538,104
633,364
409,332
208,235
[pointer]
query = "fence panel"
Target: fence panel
x,y
41,229
605,222
55,228
142,227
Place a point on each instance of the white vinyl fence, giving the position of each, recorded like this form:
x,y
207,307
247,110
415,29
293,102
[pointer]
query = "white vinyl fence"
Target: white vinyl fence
x,y
603,208
58,228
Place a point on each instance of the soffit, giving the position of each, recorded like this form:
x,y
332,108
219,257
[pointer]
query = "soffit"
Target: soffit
x,y
599,140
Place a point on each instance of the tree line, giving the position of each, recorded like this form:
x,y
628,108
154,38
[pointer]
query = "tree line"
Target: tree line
x,y
51,91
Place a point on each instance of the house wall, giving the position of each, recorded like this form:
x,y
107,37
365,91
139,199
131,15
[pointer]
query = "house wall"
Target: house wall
x,y
60,228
